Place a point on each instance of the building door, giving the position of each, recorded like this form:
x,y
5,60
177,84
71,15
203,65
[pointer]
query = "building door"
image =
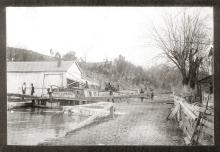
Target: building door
x,y
56,80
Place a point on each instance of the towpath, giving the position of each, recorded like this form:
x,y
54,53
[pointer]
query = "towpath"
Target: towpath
x,y
137,124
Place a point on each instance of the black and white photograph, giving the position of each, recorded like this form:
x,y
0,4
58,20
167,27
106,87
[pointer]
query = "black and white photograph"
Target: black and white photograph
x,y
110,76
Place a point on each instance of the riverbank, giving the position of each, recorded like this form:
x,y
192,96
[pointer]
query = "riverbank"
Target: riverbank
x,y
136,123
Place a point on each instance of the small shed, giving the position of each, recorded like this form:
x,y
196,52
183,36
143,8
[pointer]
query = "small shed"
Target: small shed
x,y
206,90
42,74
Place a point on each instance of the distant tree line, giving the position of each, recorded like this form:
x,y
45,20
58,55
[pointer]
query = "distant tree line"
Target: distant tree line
x,y
17,54
127,75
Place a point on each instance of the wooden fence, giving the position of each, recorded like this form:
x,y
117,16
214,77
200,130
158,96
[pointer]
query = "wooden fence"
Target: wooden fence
x,y
196,121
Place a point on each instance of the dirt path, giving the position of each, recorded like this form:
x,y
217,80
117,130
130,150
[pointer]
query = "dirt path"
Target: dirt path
x,y
138,124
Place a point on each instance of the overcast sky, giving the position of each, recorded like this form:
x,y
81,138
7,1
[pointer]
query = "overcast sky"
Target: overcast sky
x,y
95,32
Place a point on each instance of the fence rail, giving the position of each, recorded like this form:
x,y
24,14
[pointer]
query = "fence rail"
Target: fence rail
x,y
195,121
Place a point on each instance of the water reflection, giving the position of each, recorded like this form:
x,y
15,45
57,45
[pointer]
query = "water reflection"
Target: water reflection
x,y
34,125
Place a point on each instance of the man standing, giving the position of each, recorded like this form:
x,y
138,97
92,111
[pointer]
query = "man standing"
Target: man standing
x,y
152,94
23,87
32,89
50,91
111,96
142,92
32,93
87,86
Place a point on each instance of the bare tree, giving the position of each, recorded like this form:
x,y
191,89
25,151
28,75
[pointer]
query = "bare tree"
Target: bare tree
x,y
184,40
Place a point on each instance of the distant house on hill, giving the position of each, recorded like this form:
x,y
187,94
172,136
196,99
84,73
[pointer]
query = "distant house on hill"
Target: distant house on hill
x,y
43,75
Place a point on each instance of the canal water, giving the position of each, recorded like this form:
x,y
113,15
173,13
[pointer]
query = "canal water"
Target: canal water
x,y
31,126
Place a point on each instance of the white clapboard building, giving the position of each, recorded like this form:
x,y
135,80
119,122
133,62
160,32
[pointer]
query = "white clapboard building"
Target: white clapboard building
x,y
42,74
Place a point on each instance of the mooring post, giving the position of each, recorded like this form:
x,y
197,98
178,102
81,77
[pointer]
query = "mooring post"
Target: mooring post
x,y
112,111
33,102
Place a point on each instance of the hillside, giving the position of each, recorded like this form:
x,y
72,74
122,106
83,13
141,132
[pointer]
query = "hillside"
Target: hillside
x,y
17,54
105,72
129,76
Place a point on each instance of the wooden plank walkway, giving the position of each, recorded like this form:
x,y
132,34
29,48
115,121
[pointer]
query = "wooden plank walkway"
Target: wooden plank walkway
x,y
89,99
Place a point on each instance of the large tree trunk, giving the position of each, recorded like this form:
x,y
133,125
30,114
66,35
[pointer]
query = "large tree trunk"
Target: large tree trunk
x,y
185,79
189,81
192,78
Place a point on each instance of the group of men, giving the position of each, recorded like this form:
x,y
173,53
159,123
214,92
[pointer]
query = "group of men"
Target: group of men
x,y
151,94
24,88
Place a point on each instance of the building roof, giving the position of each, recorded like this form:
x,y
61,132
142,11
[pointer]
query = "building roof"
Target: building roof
x,y
43,66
